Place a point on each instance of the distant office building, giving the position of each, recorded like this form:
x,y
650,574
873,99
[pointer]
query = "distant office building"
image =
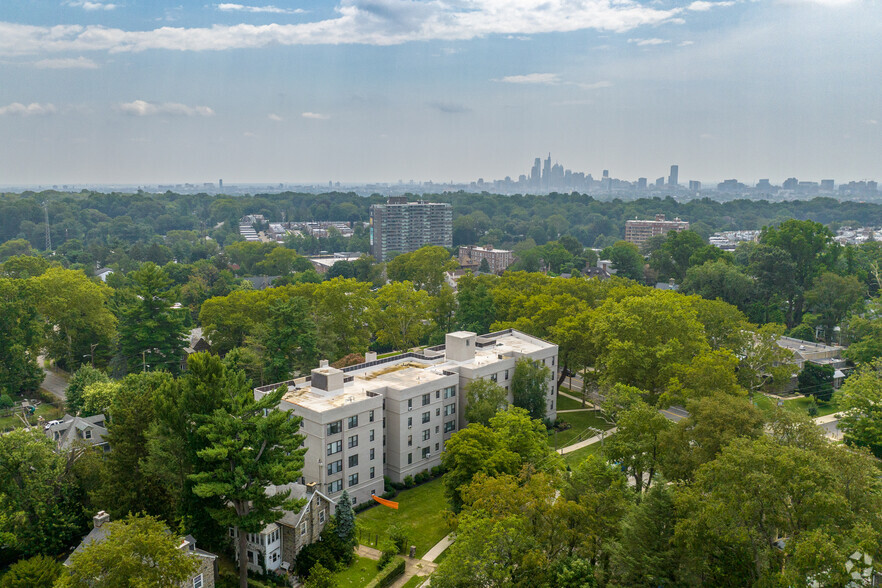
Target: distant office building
x,y
400,226
660,182
694,186
764,185
732,185
220,184
640,231
641,183
674,178
790,184
827,185
497,259
536,172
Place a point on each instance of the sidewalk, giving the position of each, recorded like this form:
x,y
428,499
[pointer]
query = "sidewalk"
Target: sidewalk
x,y
586,442
439,548
53,382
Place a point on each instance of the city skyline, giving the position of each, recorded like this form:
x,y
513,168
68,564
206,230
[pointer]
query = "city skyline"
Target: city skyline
x,y
110,92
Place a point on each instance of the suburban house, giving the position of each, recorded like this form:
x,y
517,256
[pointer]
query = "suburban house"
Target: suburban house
x,y
276,546
203,578
70,429
196,342
392,416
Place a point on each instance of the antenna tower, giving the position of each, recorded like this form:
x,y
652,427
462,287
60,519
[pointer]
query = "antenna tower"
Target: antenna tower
x,y
46,219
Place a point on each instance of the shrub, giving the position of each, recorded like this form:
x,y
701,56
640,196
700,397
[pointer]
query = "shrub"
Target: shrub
x,y
436,471
6,401
408,481
421,477
389,495
389,574
398,536
389,551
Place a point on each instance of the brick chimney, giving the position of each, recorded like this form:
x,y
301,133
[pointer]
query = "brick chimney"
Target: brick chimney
x,y
100,518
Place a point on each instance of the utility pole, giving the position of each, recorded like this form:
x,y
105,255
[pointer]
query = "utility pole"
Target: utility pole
x,y
144,360
46,220
92,351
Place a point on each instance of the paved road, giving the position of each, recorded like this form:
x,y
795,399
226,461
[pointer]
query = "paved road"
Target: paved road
x,y
53,382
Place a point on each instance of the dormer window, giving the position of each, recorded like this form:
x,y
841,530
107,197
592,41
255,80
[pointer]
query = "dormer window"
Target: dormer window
x,y
88,433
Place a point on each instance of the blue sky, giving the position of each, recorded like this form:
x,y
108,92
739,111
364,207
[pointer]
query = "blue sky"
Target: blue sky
x,y
145,91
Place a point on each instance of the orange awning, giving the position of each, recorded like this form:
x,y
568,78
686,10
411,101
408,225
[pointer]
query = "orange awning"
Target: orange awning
x,y
385,502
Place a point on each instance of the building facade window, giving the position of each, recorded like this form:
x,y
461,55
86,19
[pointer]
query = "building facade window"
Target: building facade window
x,y
426,434
335,447
409,403
449,409
449,392
449,426
410,458
321,517
353,441
371,435
302,529
425,452
335,427
371,416
372,455
353,480
410,440
372,473
353,460
427,416
409,422
335,466
335,486
437,447
437,394
427,398
506,375
198,582
352,422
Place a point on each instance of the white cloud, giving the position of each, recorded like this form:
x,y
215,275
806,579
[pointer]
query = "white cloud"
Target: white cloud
x,y
275,117
32,109
648,42
703,5
685,43
871,121
66,63
270,9
533,78
144,108
316,116
371,22
90,5
828,3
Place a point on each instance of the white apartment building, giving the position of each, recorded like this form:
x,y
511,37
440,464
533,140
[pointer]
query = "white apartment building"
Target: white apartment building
x,y
392,416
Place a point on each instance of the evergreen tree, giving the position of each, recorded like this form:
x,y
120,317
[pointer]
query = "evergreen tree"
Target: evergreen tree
x,y
37,572
345,519
246,452
289,339
151,332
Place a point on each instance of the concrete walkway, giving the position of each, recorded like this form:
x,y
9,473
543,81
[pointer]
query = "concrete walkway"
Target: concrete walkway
x,y
576,398
586,442
575,410
439,548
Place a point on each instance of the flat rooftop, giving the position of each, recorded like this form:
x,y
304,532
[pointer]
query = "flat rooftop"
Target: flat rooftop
x,y
807,346
406,370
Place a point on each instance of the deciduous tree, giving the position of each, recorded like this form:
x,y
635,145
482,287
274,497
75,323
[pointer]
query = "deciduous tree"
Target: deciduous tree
x,y
484,398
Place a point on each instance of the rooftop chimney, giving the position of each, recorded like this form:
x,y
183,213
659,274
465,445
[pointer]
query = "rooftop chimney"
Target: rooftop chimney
x,y
327,378
100,518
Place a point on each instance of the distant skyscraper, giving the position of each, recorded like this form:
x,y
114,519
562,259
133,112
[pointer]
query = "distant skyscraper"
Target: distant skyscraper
x,y
220,184
660,182
764,185
791,184
641,183
694,186
606,173
546,172
536,172
400,226
674,178
827,185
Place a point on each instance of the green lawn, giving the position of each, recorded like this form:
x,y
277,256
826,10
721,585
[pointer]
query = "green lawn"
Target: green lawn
x,y
580,421
414,581
564,403
799,404
47,411
358,575
574,458
420,512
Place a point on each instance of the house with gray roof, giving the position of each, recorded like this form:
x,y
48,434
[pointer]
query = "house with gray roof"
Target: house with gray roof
x,y
205,574
276,546
65,432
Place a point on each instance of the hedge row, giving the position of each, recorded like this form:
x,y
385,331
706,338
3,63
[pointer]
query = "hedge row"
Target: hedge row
x,y
388,575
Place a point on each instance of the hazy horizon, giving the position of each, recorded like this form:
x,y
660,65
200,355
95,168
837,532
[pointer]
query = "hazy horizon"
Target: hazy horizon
x,y
364,91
